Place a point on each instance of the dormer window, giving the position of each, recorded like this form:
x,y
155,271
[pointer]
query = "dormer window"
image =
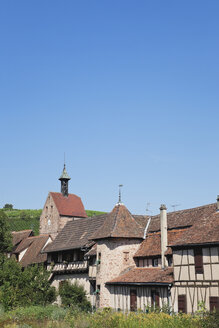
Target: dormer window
x,y
155,262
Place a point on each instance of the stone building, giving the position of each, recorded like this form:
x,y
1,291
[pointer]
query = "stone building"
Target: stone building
x,y
60,208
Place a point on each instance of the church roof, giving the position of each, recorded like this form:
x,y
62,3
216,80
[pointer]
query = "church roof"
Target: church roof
x,y
69,206
119,224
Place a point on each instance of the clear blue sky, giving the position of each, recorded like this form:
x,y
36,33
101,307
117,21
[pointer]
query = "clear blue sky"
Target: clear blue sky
x,y
129,90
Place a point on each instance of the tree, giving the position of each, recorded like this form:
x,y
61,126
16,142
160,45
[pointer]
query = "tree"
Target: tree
x,y
5,234
23,287
8,207
74,295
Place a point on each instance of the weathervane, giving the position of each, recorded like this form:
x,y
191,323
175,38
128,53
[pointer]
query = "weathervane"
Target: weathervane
x,y
120,186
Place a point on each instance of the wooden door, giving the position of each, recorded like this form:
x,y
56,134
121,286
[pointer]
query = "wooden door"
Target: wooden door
x,y
133,300
155,298
214,303
182,303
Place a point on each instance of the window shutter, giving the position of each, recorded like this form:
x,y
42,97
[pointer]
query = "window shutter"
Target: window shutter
x,y
214,303
157,299
182,303
198,260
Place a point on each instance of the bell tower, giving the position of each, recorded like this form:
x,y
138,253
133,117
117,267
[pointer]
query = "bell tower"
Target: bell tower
x,y
64,182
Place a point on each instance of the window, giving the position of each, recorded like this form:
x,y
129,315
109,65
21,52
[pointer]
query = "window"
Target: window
x,y
198,260
54,257
125,257
155,262
67,256
182,303
155,298
170,260
99,258
140,263
214,303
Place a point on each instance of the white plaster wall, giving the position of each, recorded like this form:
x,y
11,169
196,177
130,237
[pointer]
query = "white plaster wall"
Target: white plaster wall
x,y
121,297
81,278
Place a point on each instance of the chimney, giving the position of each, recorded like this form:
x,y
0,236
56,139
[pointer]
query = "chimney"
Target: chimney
x,y
163,231
217,202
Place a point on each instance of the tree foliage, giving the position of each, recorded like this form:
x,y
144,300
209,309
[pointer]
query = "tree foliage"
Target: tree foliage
x,y
23,287
8,207
5,234
74,295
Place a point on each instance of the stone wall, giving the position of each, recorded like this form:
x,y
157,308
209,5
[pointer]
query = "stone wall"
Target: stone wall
x,y
116,256
49,219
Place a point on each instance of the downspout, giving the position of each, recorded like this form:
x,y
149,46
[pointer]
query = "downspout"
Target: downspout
x,y
146,228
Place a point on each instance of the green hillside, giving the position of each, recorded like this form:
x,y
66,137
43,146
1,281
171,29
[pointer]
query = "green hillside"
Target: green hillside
x,y
29,219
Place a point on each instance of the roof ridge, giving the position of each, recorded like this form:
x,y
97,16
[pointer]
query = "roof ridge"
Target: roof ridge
x,y
186,209
115,221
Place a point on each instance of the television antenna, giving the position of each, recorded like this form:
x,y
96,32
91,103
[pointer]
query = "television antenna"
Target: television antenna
x,y
147,208
120,186
174,206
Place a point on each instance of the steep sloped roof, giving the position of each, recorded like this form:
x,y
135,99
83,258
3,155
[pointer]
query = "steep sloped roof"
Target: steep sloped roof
x,y
119,223
18,236
204,231
151,246
69,206
145,276
34,246
76,234
183,218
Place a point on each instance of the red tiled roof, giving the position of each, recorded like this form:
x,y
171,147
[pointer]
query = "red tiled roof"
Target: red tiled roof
x,y
92,251
76,234
119,223
18,236
34,247
151,246
145,276
69,206
183,218
205,231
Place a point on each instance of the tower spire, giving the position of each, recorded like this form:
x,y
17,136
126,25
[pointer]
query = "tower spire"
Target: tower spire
x,y
64,178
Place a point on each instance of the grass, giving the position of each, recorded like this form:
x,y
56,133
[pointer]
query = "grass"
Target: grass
x,y
30,219
53,316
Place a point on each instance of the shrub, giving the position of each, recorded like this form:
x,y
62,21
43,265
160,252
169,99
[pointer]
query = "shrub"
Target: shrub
x,y
74,295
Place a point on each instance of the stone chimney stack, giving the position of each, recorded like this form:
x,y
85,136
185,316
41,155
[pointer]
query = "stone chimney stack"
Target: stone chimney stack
x,y
163,231
217,202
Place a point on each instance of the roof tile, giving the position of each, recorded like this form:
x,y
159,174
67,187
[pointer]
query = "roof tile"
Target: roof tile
x,y
69,206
